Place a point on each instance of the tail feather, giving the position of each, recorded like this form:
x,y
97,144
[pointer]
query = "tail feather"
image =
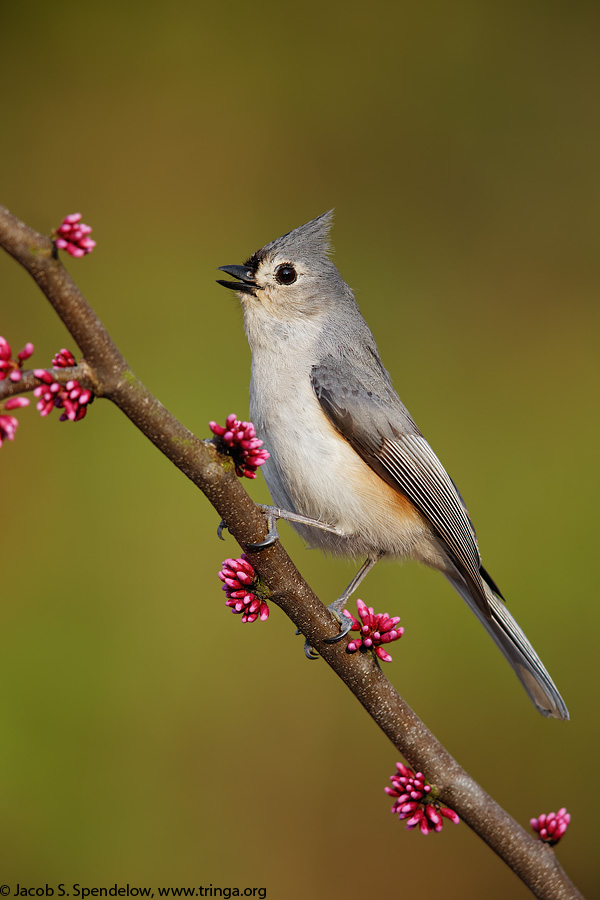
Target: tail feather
x,y
518,651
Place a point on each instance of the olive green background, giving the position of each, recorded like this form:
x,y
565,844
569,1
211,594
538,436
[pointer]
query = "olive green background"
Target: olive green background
x,y
148,736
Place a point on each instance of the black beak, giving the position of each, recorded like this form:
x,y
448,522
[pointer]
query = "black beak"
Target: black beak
x,y
245,284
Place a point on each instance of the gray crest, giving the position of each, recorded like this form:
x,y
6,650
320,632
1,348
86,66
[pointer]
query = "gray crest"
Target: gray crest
x,y
309,240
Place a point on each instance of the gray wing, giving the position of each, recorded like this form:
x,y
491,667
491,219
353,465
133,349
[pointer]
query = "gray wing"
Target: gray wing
x,y
382,432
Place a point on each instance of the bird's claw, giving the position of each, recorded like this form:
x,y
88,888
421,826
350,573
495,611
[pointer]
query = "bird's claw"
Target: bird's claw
x,y
345,625
309,650
222,525
269,540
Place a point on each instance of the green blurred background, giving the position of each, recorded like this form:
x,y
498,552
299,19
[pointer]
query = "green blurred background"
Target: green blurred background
x,y
147,735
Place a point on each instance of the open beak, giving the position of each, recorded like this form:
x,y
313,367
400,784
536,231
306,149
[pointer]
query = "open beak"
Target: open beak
x,y
245,283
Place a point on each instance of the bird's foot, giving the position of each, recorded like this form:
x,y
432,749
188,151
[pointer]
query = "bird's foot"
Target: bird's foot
x,y
337,607
345,626
273,513
345,622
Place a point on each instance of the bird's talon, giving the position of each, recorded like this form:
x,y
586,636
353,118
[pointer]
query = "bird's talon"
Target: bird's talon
x,y
309,650
272,536
262,545
344,630
222,525
335,638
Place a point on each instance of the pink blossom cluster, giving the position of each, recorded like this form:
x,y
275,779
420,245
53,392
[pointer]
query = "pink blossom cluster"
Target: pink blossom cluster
x,y
239,440
375,630
8,428
243,590
73,236
551,826
11,368
414,800
8,424
71,397
64,359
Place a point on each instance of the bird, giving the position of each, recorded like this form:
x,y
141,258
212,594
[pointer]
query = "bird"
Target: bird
x,y
348,466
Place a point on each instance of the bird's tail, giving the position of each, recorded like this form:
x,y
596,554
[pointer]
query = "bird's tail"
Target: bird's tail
x,y
518,651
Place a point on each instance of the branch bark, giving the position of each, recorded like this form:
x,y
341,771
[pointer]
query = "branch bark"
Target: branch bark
x,y
105,371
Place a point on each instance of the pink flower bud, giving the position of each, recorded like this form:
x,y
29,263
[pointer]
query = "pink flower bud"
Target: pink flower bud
x,y
450,814
27,351
16,402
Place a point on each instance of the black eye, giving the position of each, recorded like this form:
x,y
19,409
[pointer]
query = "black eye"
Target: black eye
x,y
285,274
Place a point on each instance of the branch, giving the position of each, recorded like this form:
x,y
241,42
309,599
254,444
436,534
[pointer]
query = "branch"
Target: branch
x,y
28,381
105,371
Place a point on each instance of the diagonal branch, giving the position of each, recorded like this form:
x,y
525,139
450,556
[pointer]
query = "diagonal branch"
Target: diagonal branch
x,y
105,371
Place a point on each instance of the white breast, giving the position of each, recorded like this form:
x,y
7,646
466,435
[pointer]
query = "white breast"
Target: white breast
x,y
313,470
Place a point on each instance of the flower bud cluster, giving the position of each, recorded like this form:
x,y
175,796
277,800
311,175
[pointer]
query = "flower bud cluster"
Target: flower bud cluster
x,y
64,359
415,801
551,826
375,630
73,236
11,368
245,594
8,424
239,440
71,397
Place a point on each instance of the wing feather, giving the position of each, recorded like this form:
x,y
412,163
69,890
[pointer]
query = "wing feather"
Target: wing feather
x,y
383,434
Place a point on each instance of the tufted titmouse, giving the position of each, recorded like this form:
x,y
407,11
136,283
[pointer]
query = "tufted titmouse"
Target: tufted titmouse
x,y
344,450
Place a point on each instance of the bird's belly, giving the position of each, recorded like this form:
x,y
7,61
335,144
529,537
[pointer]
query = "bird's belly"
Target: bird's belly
x,y
314,471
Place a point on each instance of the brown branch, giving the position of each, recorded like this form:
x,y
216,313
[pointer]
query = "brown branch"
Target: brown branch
x,y
28,381
105,371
